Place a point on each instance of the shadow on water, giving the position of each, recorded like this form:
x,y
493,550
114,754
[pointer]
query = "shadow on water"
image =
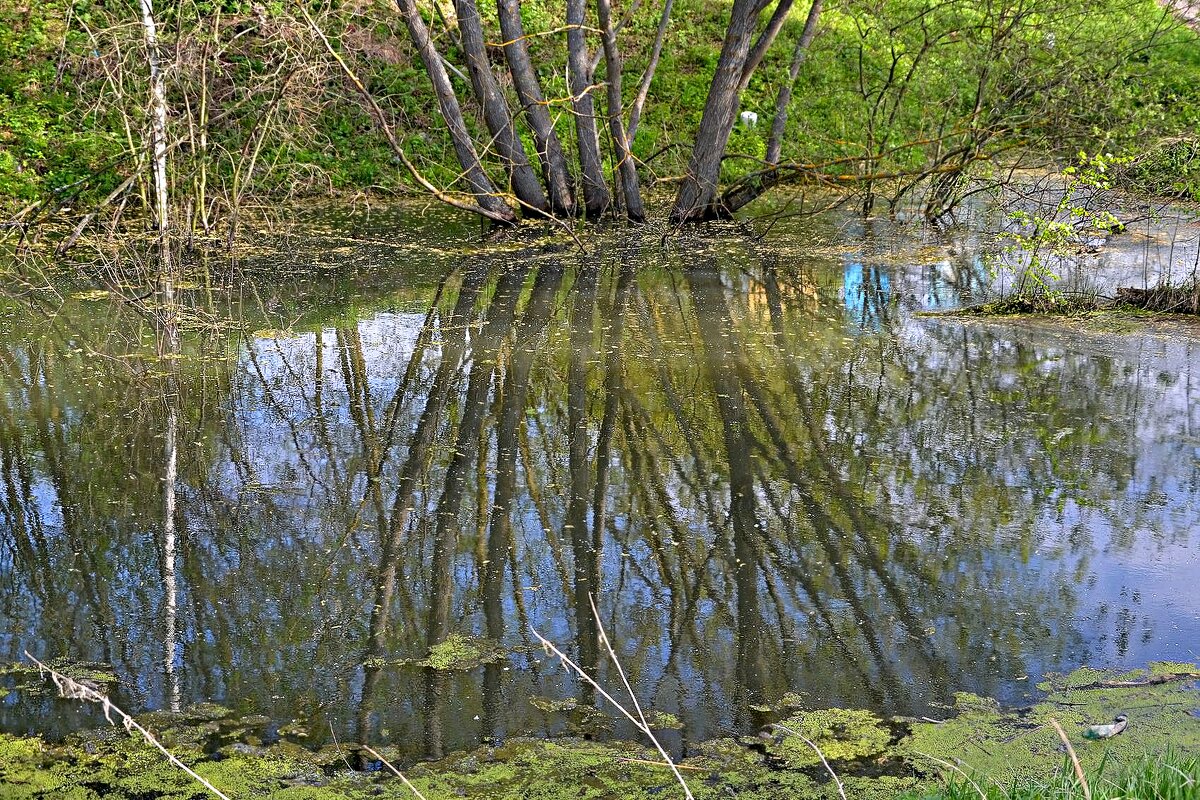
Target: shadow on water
x,y
770,475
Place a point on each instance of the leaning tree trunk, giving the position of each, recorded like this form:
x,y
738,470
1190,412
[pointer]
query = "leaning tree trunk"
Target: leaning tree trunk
x,y
495,110
699,187
763,43
635,113
784,98
627,178
481,185
596,197
529,92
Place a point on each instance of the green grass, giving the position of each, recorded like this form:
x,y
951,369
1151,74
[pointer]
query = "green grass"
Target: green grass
x,y
54,143
1171,776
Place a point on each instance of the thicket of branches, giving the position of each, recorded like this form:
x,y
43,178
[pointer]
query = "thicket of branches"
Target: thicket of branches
x,y
526,108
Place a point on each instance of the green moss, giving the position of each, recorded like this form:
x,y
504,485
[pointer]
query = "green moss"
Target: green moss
x,y
460,651
874,758
983,739
1173,668
841,734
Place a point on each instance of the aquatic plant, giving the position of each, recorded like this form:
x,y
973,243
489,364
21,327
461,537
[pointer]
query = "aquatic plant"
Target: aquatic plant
x,y
72,689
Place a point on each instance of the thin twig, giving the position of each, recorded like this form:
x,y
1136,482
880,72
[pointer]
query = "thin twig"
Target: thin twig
x,y
639,724
1087,792
399,774
74,690
820,755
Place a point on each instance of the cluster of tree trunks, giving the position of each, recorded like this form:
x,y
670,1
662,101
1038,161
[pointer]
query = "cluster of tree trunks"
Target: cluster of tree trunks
x,y
550,188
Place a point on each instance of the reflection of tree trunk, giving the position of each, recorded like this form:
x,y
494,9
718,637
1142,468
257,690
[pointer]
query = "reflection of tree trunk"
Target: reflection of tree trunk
x,y
362,411
823,519
714,324
467,445
22,518
394,526
585,548
501,313
435,701
54,449
170,335
613,366
511,416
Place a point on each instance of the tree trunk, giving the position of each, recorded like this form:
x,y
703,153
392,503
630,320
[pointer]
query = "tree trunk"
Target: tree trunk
x,y
635,113
596,197
779,123
763,43
481,185
529,91
695,198
158,133
627,178
495,110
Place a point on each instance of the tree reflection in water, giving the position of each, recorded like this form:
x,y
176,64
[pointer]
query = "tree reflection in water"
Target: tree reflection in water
x,y
762,497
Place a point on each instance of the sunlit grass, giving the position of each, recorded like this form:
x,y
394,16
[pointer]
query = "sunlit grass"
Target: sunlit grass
x,y
1171,776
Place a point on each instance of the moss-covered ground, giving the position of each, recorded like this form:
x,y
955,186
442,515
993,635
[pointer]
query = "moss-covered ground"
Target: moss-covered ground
x,y
873,757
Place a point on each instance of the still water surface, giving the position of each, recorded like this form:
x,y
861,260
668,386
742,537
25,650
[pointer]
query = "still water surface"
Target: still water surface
x,y
770,472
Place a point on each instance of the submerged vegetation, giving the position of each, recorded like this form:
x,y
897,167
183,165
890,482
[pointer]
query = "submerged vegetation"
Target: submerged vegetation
x,y
821,753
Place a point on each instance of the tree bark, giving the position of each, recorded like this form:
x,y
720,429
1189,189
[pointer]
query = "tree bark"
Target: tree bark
x,y
635,113
495,110
695,198
481,185
763,43
627,177
529,91
158,133
784,98
596,197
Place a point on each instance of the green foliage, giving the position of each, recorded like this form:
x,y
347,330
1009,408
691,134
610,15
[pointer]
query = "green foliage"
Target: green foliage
x,y
1168,169
1043,238
1057,74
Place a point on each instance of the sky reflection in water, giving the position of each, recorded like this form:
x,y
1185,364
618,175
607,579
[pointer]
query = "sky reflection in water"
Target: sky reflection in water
x,y
772,474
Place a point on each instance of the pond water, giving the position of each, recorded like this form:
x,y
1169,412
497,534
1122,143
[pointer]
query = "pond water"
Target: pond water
x,y
769,471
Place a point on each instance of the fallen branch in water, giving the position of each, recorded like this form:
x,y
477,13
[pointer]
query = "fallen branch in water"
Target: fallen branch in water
x,y
1153,680
72,689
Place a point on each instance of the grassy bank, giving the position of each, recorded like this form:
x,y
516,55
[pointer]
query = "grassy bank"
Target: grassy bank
x,y
1170,776
260,112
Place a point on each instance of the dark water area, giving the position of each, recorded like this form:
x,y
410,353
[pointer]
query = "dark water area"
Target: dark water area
x,y
768,469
